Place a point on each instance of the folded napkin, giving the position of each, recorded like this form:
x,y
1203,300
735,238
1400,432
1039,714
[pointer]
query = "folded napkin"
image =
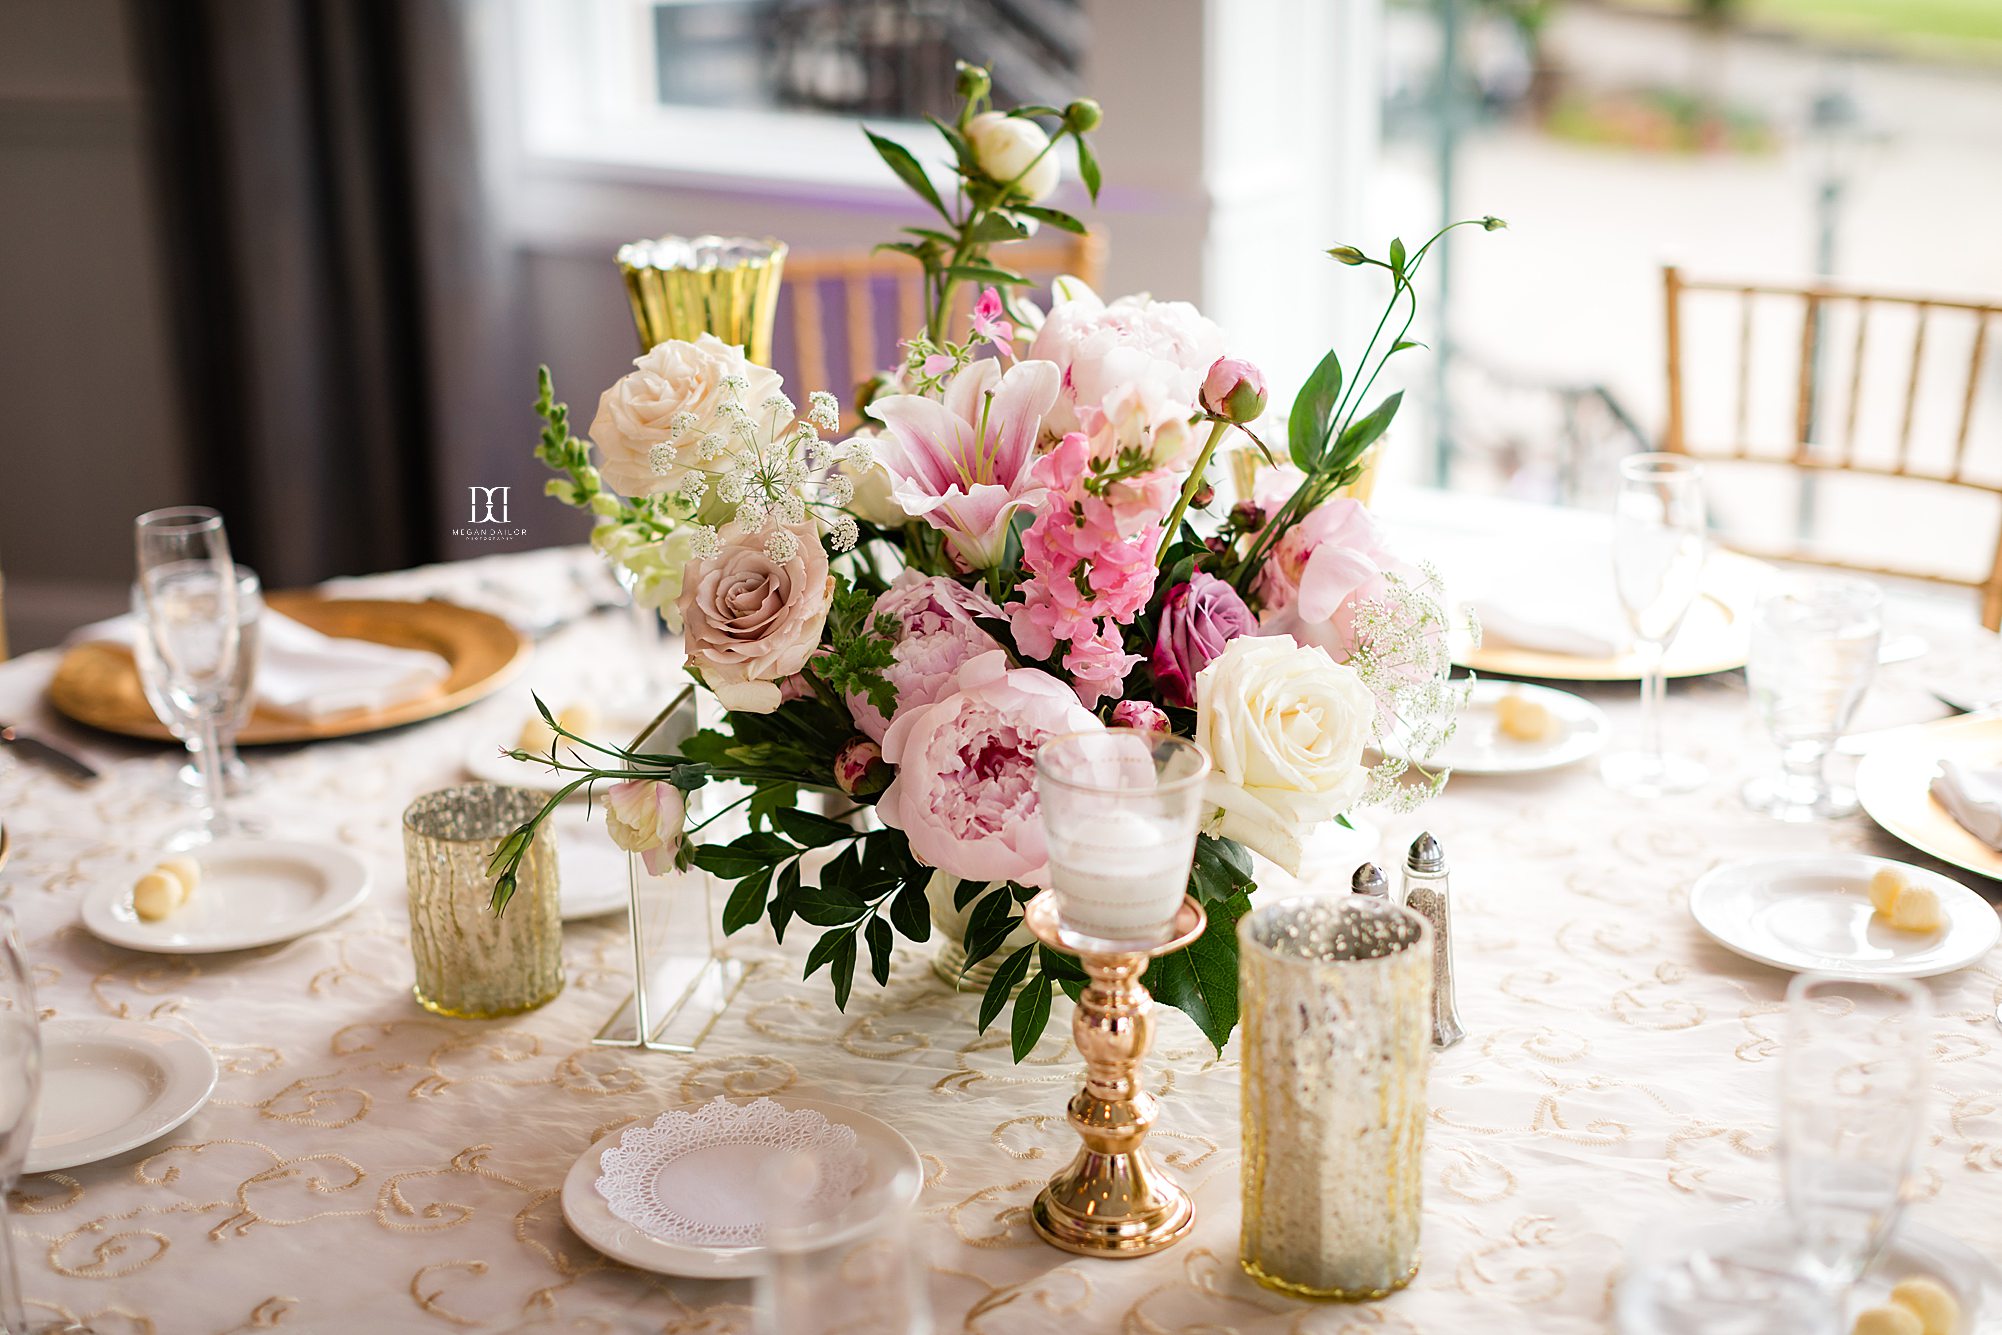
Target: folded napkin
x,y
1549,625
307,675
1974,798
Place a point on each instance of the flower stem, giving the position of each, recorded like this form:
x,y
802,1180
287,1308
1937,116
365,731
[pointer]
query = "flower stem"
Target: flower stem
x,y
1191,487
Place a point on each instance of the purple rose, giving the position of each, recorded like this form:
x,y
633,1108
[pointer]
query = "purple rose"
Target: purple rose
x,y
1197,620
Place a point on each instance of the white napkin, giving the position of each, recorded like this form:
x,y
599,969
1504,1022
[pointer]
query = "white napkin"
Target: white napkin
x,y
1974,798
1557,625
307,675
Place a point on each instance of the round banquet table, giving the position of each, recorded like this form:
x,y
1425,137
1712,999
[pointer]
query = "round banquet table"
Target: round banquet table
x,y
364,1165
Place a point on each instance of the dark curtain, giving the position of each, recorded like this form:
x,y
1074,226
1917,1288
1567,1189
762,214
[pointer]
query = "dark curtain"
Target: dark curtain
x,y
313,162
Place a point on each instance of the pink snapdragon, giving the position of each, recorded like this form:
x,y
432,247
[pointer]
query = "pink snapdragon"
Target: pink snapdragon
x,y
1098,664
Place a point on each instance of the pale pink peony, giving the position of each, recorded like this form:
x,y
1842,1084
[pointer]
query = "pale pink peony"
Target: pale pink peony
x,y
671,399
750,621
644,816
963,465
1326,565
1138,362
937,635
965,791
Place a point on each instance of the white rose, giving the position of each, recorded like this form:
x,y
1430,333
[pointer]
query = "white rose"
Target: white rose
x,y
1004,146
1285,727
674,395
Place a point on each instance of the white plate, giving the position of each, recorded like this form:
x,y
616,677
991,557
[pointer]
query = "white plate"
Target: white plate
x,y
586,1212
113,1085
1813,913
1917,1252
254,892
1478,745
486,761
591,870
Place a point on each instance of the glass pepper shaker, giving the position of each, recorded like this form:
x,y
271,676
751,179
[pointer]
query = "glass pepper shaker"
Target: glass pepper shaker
x,y
1427,892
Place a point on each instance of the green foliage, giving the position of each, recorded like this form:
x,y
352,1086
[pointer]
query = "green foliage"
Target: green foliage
x,y
1312,418
859,648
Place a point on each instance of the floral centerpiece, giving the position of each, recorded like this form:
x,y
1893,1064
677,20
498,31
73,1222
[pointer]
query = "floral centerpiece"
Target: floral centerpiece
x,y
1021,542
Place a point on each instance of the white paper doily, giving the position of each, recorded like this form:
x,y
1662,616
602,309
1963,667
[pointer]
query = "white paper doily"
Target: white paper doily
x,y
694,1177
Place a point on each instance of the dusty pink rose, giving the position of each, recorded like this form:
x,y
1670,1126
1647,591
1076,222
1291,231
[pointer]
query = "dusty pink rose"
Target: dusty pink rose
x,y
859,767
965,791
1144,715
1234,390
751,621
1197,620
644,816
936,616
1326,565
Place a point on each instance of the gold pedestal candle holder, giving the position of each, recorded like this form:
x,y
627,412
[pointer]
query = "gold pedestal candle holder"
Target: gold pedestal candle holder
x,y
683,286
1112,1201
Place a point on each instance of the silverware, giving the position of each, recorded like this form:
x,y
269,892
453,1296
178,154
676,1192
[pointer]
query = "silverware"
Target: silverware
x,y
1965,704
41,752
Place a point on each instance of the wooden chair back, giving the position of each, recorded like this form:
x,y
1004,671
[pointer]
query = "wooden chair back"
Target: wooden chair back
x,y
1876,337
841,317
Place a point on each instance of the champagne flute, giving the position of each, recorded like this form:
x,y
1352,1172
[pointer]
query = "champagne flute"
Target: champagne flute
x,y
237,708
20,1093
187,587
1854,1083
1814,650
1658,544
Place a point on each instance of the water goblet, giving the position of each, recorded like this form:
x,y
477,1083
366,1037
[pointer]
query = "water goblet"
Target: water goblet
x,y
187,589
240,691
1658,549
859,1269
1731,1272
1814,651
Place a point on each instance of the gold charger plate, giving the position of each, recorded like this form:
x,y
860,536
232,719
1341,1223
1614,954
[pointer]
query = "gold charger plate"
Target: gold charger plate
x,y
1715,637
1894,784
98,684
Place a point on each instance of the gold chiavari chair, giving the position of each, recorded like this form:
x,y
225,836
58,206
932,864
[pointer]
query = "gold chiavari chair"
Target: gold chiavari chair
x,y
1868,367
841,317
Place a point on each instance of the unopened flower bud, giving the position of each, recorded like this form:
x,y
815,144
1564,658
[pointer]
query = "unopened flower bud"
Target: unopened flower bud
x,y
1347,254
1492,224
973,81
1248,517
1204,495
1141,714
605,506
1216,545
561,489
1083,115
859,769
1234,390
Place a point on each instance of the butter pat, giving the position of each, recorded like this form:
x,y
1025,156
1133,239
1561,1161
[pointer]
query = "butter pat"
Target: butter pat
x,y
1523,720
157,894
536,737
186,870
1917,910
1937,1310
1887,1321
1885,887
582,720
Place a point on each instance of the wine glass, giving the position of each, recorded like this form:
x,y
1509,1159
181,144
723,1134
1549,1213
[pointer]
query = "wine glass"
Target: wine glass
x,y
1853,1106
1658,543
859,1269
187,589
1728,1272
1814,650
241,699
20,1093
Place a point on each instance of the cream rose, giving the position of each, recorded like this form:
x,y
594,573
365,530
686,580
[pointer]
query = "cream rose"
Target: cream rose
x,y
1004,146
673,397
752,620
1285,727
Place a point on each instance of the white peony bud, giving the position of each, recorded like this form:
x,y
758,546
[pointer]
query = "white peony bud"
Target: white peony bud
x,y
1004,146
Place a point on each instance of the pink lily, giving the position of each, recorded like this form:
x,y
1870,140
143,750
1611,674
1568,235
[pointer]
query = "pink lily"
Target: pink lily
x,y
964,465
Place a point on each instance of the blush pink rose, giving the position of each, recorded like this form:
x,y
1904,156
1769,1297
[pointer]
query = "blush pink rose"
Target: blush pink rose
x,y
751,621
938,634
965,791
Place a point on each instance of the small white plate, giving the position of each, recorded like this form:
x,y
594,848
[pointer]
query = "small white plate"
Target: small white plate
x,y
1478,745
1917,1252
253,892
590,868
109,1086
487,759
586,1212
1813,913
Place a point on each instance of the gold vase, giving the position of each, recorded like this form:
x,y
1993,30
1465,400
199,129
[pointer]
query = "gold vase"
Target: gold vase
x,y
683,286
1337,1044
472,963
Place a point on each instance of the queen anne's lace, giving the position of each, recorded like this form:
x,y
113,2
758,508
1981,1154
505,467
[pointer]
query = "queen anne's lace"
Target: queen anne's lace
x,y
632,1173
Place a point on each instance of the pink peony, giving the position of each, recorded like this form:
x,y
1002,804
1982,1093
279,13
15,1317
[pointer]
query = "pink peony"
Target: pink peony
x,y
965,791
1135,360
936,615
1328,563
1098,665
1197,620
751,621
1143,715
644,816
1234,390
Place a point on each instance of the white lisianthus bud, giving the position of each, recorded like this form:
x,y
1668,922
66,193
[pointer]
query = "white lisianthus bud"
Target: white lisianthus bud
x,y
1004,146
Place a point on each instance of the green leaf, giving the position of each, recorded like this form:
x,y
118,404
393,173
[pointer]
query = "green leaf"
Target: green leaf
x,y
1397,256
1201,980
779,910
769,799
1307,426
1002,984
961,150
747,902
1032,1015
910,248
879,939
823,950
965,892
1361,435
1056,218
998,226
827,905
908,170
728,862
1222,868
809,829
974,272
844,970
993,918
1087,168
1404,343
910,911
1036,109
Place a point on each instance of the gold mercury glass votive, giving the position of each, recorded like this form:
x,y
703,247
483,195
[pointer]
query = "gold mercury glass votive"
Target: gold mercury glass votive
x,y
472,963
1336,1046
685,286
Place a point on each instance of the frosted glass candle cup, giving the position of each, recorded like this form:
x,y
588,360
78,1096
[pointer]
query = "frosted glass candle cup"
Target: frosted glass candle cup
x,y
1120,808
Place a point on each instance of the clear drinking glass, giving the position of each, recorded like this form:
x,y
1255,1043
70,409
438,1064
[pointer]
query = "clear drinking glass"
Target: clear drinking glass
x,y
20,1092
1658,546
1119,808
1814,650
240,698
863,1270
1734,1272
1858,1057
187,590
